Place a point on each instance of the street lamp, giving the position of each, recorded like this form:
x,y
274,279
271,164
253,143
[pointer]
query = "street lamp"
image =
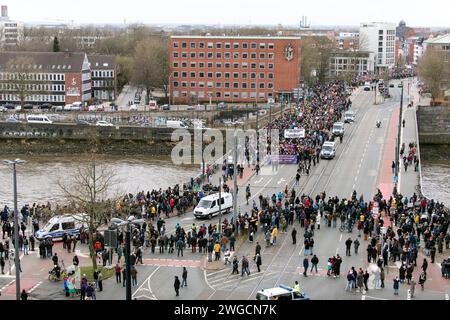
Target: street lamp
x,y
120,223
16,224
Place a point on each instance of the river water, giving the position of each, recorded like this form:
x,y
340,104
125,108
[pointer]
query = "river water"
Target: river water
x,y
37,178
436,180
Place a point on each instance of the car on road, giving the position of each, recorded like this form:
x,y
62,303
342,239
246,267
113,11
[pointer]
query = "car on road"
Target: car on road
x,y
338,129
68,107
166,107
9,106
190,108
281,293
102,123
18,108
83,123
59,108
27,106
400,85
209,205
57,226
391,85
13,120
349,116
176,124
133,107
3,109
328,150
39,119
222,105
367,88
46,106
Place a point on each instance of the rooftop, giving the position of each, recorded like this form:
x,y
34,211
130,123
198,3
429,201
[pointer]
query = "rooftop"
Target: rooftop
x,y
443,39
47,61
102,62
237,37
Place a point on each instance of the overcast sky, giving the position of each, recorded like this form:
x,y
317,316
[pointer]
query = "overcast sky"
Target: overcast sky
x,y
433,13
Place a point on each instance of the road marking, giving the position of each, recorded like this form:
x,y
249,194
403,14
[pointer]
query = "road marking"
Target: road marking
x,y
340,239
447,297
7,285
363,297
409,294
375,298
188,218
35,287
149,288
337,250
258,181
281,180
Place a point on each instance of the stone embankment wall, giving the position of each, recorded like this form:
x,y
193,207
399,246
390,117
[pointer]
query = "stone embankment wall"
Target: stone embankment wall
x,y
434,125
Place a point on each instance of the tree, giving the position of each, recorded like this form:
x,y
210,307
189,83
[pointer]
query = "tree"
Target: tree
x,y
316,52
434,70
151,65
92,182
56,47
20,82
125,70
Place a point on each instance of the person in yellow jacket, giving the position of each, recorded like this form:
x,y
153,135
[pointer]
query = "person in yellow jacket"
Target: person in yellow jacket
x,y
275,234
297,287
216,250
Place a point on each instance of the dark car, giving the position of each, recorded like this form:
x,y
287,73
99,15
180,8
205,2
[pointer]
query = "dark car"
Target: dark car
x,y
400,85
28,107
166,107
391,85
9,106
46,106
83,123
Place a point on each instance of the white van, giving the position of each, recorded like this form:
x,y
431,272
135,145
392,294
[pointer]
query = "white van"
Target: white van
x,y
57,226
38,119
76,106
176,124
209,205
281,293
328,150
338,129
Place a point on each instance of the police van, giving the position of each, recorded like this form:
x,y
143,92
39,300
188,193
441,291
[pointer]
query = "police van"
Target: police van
x,y
328,150
38,119
209,205
281,293
57,226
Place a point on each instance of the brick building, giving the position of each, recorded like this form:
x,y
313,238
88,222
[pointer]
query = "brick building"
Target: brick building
x,y
56,78
233,69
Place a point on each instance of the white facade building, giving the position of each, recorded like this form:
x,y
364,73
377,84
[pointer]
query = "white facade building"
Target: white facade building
x,y
11,32
379,38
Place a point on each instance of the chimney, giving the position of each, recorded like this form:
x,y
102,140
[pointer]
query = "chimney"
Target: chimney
x,y
4,11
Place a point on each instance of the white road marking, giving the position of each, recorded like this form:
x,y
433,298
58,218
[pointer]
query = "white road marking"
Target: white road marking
x,y
148,282
363,297
258,181
447,297
281,180
337,250
35,287
340,239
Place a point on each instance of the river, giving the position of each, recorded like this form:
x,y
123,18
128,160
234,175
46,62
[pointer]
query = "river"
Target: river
x,y
436,180
37,178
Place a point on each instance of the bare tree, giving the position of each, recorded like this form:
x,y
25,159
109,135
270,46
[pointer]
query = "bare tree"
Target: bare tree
x,y
434,70
91,184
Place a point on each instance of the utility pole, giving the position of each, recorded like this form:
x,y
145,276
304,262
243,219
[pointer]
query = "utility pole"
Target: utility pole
x,y
128,263
397,156
16,235
220,205
203,159
235,178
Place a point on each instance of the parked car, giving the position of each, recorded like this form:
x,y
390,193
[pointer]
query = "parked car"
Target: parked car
x,y
400,85
366,88
83,123
102,123
3,109
12,120
100,108
190,108
391,85
166,107
222,105
133,108
46,106
9,106
27,106
59,108
18,108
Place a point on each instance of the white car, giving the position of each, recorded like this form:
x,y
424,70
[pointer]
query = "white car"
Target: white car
x,y
102,123
133,108
68,107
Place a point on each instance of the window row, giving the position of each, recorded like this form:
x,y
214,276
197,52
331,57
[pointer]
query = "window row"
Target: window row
x,y
234,85
226,45
33,76
34,87
226,65
103,83
103,74
218,94
226,75
224,55
34,98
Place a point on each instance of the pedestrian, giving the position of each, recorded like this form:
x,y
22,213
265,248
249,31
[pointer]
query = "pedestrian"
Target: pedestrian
x,y
422,279
366,278
134,276
184,277
396,285
348,245
176,285
2,264
55,259
360,280
314,263
124,276
294,236
100,281
24,295
382,277
305,266
349,281
32,242
356,245
25,245
412,287
179,245
424,265
244,264
235,266
118,270
75,261
217,251
258,261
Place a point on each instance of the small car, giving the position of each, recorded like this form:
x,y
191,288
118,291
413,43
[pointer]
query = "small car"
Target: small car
x,y
102,123
166,107
83,123
400,85
12,120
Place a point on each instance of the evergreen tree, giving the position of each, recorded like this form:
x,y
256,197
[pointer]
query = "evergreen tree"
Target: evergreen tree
x,y
56,47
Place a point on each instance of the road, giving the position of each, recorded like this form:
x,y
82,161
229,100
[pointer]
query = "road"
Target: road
x,y
362,163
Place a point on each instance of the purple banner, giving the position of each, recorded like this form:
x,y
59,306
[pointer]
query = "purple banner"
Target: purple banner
x,y
284,159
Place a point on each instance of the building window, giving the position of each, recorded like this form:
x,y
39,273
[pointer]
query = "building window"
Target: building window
x,y
253,55
201,84
270,56
201,64
262,45
201,94
226,94
271,46
175,84
209,65
210,45
262,56
244,65
244,45
201,74
244,95
175,65
210,55
227,65
210,74
219,75
184,84
192,74
245,55
244,85
218,45
235,75
175,74
192,55
183,64
209,84
218,94
219,65
175,54
184,54
219,55
236,65
270,85
244,75
262,65
227,75
227,85
201,45
192,84
201,55
227,55
227,45
236,85
252,75
193,64
261,75
184,74
270,65
270,76
175,44
236,55
192,45
218,84
253,45
236,95
253,65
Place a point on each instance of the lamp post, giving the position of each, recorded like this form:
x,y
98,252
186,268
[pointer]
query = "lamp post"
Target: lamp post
x,y
16,224
120,223
397,156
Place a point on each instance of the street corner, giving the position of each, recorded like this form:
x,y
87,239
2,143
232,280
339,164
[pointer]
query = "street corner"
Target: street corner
x,y
213,265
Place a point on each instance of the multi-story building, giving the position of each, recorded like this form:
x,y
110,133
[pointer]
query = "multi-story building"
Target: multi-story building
x,y
351,62
55,78
11,32
441,43
104,77
347,41
233,69
379,38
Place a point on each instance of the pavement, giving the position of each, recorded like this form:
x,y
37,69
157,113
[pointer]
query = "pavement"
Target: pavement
x,y
360,164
